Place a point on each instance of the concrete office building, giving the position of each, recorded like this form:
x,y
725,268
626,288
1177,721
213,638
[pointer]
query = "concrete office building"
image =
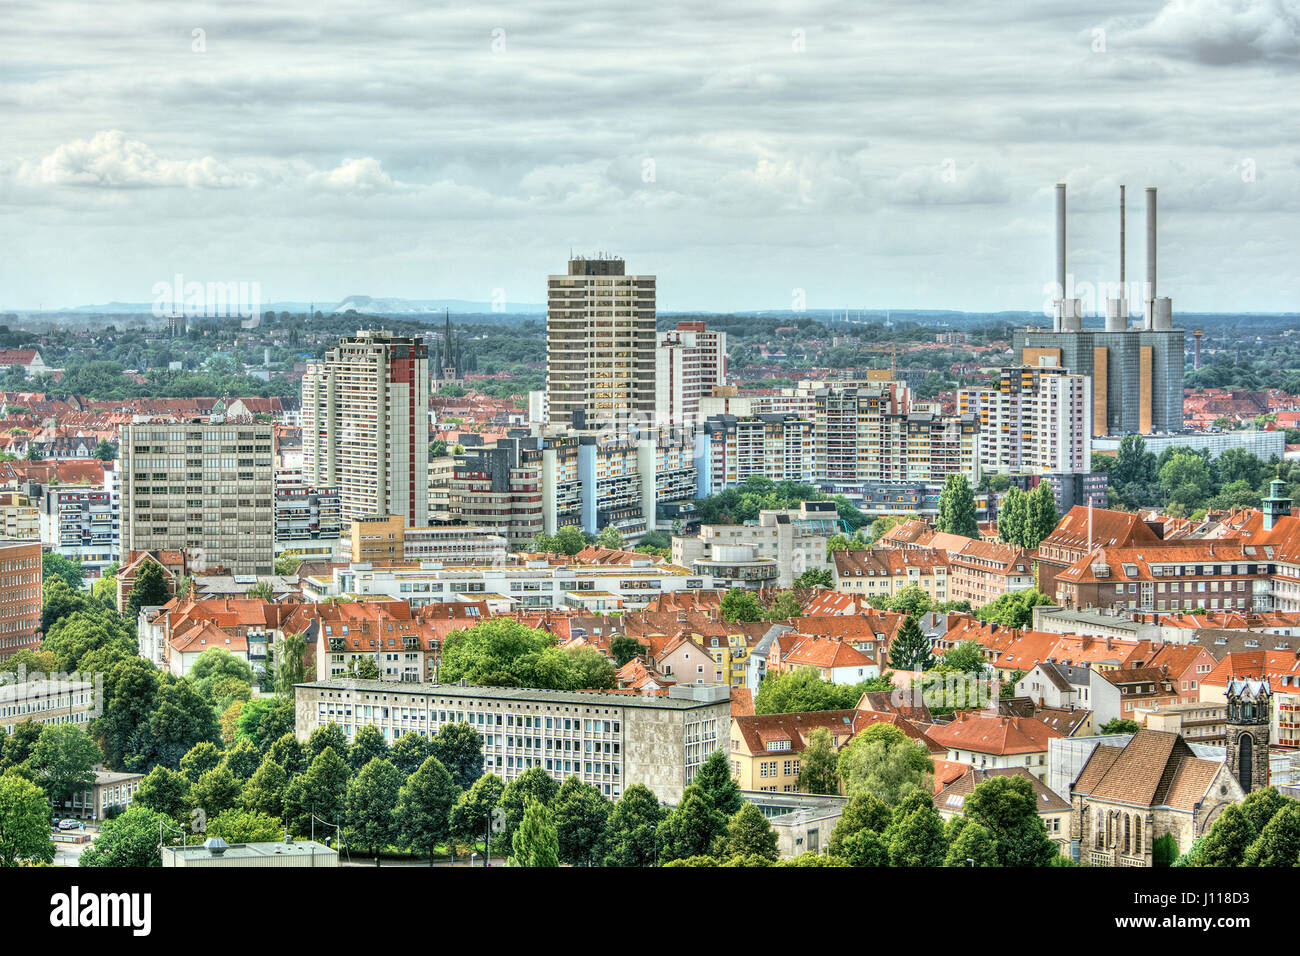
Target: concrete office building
x,y
609,740
690,361
600,346
365,425
205,488
1137,373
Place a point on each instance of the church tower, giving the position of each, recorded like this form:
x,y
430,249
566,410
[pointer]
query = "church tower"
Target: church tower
x,y
1248,717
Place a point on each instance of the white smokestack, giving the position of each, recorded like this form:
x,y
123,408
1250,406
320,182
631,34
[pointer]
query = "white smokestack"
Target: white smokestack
x,y
1151,256
1117,309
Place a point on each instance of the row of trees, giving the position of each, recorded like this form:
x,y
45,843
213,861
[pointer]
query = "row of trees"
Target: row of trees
x,y
505,653
1025,519
1186,482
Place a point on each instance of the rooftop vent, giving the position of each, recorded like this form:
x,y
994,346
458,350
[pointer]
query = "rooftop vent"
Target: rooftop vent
x,y
216,846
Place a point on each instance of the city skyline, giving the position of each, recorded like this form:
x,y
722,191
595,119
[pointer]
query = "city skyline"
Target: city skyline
x,y
740,158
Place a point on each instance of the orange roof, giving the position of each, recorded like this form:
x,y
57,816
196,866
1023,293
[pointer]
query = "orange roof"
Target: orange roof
x,y
985,733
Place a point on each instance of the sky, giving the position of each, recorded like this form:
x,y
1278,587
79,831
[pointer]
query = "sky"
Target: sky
x,y
753,155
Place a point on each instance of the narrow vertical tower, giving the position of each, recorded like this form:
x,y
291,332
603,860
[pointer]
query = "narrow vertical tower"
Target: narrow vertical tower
x,y
1068,313
1247,729
1117,309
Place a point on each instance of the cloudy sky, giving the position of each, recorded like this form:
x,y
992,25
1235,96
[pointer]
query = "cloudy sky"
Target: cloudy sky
x,y
873,153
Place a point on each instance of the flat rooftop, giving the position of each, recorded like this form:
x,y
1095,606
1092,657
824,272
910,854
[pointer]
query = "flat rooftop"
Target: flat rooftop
x,y
250,851
685,697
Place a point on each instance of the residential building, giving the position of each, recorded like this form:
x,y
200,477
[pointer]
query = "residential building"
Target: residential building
x,y
600,346
84,523
1036,419
884,572
690,361
765,749
778,446
607,739
20,595
523,585
19,516
365,425
386,540
205,488
307,520
1080,531
779,536
989,742
983,571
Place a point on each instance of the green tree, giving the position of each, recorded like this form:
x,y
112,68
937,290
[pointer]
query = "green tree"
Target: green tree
x,y
180,719
865,848
166,791
690,829
1227,840
505,653
244,826
57,566
536,842
424,805
265,720
533,784
815,577
130,692
785,607
201,758
910,649
580,813
863,812
289,754
459,748
104,451
569,540
326,735
970,844
1117,725
741,605
287,563
149,588
363,668
1014,609
957,507
63,762
215,664
409,752
243,759
625,648
368,744
472,811
968,657
885,762
260,591
264,792
1007,807
130,839
817,763
715,779
24,822
1013,517
290,651
16,747
632,825
320,791
215,791
1260,806
916,835
1278,843
371,805
610,537
749,834
1043,515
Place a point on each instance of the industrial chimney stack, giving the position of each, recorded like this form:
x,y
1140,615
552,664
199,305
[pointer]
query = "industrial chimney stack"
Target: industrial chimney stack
x,y
1117,309
1067,313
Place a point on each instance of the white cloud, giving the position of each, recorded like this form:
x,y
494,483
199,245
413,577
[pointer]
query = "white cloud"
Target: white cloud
x,y
356,175
108,159
1224,32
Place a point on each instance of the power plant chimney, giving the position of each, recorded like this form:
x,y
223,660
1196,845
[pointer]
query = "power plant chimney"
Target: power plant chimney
x,y
1117,309
1196,343
1159,311
1068,315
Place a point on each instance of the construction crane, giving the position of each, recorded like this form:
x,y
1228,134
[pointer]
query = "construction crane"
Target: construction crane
x,y
890,350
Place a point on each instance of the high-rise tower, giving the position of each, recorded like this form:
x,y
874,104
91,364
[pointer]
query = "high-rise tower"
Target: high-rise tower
x,y
365,425
600,346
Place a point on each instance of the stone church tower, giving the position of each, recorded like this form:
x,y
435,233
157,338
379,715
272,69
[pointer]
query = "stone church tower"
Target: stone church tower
x,y
1248,719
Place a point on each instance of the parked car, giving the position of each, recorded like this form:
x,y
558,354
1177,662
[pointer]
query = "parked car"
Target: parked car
x,y
69,824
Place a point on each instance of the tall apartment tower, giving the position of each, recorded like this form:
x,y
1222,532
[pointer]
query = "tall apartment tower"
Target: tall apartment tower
x,y
365,426
689,361
207,488
600,346
1037,420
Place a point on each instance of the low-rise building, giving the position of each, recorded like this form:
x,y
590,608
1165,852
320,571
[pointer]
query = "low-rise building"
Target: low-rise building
x,y
883,572
110,794
217,853
608,739
1051,807
989,742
